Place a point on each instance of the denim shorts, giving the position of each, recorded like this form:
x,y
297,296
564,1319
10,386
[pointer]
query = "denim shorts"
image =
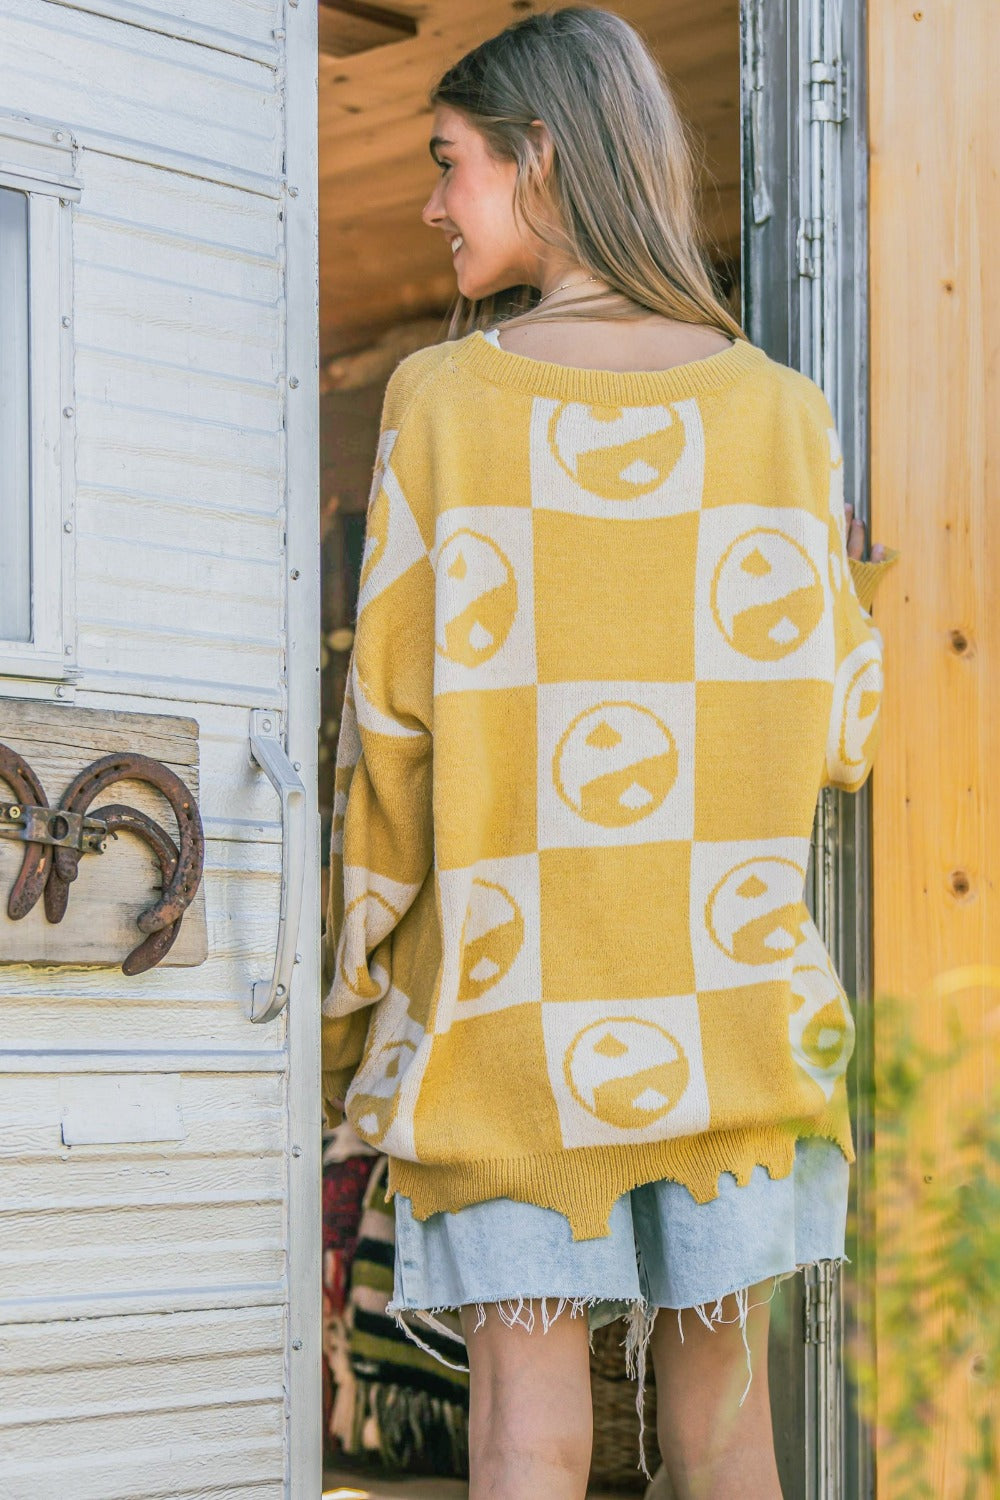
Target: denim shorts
x,y
663,1250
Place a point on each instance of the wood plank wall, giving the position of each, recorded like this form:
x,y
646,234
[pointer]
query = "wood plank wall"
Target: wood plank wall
x,y
935,399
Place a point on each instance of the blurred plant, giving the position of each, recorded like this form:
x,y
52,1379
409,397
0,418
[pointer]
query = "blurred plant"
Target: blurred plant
x,y
934,1240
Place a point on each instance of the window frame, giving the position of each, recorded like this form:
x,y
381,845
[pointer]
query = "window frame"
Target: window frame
x,y
40,161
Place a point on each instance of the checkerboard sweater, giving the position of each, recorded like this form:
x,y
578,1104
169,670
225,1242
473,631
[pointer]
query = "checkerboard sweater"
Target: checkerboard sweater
x,y
608,650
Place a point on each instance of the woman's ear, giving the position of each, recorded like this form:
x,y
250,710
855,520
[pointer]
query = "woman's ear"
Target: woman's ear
x,y
543,144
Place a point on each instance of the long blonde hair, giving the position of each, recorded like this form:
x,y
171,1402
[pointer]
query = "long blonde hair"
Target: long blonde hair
x,y
620,198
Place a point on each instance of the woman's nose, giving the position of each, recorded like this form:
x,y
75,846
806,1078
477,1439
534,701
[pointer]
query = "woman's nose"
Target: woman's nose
x,y
431,212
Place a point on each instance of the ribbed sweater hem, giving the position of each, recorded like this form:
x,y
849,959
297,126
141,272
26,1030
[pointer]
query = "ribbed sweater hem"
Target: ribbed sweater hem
x,y
476,355
585,1182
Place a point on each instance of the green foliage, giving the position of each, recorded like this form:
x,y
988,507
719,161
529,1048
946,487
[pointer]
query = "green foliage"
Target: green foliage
x,y
936,1243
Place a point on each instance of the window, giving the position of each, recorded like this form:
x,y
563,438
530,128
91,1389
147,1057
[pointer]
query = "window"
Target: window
x,y
37,188
15,497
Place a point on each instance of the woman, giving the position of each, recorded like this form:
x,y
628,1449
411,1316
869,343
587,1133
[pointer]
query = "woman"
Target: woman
x,y
608,651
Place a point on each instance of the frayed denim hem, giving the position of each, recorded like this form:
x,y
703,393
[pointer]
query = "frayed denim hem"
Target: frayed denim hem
x,y
641,1316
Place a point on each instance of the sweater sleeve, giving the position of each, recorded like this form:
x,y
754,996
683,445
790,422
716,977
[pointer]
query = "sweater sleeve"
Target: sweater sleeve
x,y
381,847
868,575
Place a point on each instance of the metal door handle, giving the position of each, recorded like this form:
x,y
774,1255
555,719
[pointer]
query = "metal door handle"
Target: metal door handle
x,y
270,996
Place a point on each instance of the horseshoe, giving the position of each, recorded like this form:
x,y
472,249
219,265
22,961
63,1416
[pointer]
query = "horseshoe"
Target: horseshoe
x,y
37,861
180,891
120,819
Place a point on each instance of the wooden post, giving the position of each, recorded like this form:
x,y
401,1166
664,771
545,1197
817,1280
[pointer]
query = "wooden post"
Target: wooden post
x,y
935,446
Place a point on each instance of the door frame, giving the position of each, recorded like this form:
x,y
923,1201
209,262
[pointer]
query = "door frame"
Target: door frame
x,y
300,385
804,280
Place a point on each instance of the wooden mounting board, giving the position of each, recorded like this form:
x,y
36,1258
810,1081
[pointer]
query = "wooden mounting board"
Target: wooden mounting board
x,y
111,888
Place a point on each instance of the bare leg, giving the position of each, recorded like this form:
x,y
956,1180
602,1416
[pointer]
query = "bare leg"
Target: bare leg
x,y
713,1448
531,1421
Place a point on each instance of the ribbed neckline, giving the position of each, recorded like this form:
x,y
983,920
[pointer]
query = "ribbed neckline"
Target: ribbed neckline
x,y
479,356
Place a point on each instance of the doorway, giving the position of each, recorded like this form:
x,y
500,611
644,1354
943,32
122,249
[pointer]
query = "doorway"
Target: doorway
x,y
386,287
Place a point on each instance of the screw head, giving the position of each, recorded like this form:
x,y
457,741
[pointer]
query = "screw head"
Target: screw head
x,y
65,320
67,411
67,526
266,725
293,381
296,1344
293,192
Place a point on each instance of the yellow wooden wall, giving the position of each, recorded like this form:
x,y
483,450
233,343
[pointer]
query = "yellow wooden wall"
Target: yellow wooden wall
x,y
934,81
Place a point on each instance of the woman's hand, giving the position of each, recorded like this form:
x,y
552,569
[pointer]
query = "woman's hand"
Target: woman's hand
x,y
856,538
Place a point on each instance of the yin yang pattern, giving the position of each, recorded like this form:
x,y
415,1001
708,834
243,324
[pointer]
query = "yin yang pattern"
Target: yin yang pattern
x,y
382,1096
635,452
490,926
484,634
373,904
766,595
627,1073
617,461
626,1070
367,919
821,1028
854,718
477,598
752,913
492,935
615,763
392,538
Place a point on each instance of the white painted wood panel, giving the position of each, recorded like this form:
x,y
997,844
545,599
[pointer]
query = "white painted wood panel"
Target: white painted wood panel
x,y
167,1453
221,219
148,1287
139,90
173,458
140,661
203,1215
111,511
156,585
228,24
114,379
132,312
215,1116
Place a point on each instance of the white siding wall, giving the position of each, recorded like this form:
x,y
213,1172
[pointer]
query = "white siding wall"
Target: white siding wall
x,y
180,394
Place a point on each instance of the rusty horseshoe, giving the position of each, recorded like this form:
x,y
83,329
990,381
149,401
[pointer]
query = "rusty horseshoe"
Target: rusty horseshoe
x,y
37,861
120,819
179,891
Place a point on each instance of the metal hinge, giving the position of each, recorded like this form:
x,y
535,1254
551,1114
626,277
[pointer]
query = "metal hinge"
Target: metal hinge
x,y
816,1311
828,91
808,232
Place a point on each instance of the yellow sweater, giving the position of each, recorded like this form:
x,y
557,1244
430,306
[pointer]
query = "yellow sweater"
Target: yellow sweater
x,y
608,650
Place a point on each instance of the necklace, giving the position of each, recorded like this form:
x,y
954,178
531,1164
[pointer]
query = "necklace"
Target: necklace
x,y
564,286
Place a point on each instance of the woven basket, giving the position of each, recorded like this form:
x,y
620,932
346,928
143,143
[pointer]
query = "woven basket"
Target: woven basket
x,y
615,1463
